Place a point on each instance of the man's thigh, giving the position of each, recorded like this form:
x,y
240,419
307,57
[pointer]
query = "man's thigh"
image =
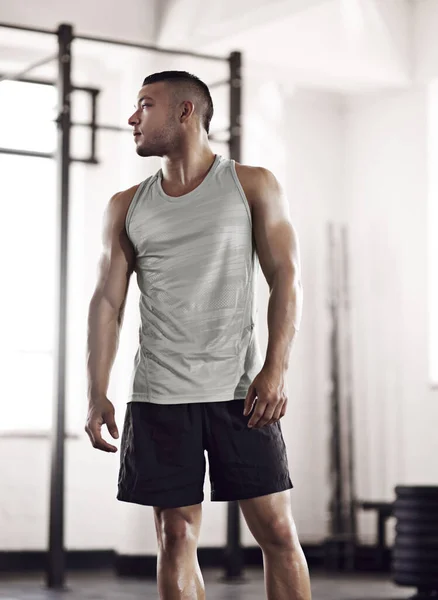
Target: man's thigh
x,y
173,524
162,460
244,463
270,518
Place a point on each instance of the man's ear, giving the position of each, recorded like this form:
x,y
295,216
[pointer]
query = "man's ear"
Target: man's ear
x,y
187,109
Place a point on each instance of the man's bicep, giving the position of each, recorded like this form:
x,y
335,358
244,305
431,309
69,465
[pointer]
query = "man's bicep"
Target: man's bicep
x,y
275,237
117,259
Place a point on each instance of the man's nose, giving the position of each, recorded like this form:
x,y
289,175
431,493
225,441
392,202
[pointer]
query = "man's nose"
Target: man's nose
x,y
134,119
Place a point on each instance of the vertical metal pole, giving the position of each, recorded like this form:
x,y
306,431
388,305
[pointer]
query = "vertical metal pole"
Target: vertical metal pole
x,y
341,546
56,558
334,542
234,552
235,143
350,488
94,95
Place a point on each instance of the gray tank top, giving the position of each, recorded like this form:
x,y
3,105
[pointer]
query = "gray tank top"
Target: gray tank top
x,y
196,267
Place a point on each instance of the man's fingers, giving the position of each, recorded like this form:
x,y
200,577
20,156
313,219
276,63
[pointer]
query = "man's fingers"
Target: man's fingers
x,y
283,409
258,413
267,413
89,433
101,444
266,417
100,412
277,413
97,441
111,425
249,400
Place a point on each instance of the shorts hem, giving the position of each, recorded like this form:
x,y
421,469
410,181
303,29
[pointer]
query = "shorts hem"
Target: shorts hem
x,y
244,494
160,501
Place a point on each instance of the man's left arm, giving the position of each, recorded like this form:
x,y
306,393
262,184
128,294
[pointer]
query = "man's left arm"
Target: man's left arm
x,y
278,252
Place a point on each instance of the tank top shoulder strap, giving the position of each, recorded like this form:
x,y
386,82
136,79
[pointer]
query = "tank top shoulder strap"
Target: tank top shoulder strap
x,y
142,189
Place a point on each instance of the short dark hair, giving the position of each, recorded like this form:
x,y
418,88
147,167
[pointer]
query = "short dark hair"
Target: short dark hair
x,y
206,112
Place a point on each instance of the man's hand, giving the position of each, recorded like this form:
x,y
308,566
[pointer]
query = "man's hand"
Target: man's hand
x,y
269,389
99,412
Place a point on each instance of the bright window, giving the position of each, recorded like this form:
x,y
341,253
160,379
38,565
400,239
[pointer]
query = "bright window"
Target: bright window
x,y
27,250
27,113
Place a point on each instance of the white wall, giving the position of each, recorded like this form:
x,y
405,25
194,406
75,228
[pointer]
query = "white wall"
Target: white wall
x,y
308,159
425,43
387,197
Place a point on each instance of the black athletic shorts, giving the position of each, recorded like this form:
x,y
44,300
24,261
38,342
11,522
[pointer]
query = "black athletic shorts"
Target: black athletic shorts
x,y
162,457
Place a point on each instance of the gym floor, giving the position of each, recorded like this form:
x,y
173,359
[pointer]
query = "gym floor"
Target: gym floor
x,y
106,586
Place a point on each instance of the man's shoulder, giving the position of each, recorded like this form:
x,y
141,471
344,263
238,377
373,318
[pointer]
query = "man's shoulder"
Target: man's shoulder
x,y
256,180
119,203
122,200
126,195
249,170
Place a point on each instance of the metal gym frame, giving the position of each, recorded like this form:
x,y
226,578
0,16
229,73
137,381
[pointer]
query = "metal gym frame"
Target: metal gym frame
x,y
56,564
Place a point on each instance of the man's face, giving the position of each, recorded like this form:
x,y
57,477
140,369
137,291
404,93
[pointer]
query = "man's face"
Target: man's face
x,y
154,121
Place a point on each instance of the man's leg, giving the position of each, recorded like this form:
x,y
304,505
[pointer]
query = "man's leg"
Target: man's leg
x,y
270,520
179,575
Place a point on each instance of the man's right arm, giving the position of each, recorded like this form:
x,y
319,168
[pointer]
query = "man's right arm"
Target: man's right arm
x,y
105,316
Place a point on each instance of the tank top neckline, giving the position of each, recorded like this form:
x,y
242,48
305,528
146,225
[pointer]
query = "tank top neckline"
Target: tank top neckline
x,y
193,192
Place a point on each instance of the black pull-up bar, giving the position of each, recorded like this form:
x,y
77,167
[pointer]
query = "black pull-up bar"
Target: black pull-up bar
x,y
124,43
56,562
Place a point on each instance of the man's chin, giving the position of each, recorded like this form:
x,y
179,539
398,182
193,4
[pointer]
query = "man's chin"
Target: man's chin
x,y
142,151
145,152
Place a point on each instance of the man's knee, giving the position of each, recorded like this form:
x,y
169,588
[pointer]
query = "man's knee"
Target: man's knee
x,y
177,529
280,536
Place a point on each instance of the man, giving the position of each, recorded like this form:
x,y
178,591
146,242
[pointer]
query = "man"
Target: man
x,y
193,233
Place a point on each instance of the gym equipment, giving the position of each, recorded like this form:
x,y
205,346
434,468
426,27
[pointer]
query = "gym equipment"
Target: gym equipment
x,y
385,511
415,553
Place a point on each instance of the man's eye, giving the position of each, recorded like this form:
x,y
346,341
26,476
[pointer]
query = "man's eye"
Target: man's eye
x,y
144,105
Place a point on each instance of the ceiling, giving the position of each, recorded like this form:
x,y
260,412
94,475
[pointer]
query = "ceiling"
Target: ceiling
x,y
345,46
339,45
